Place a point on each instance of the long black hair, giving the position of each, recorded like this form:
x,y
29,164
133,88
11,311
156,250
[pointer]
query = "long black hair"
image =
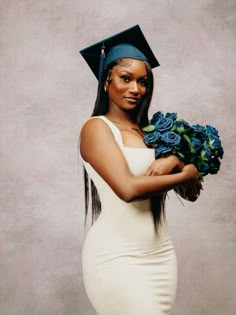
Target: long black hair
x,y
140,116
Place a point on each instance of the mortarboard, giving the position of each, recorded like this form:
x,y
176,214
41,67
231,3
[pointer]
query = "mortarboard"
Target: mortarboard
x,y
130,43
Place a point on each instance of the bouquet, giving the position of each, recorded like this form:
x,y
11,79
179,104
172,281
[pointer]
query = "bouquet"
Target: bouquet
x,y
192,144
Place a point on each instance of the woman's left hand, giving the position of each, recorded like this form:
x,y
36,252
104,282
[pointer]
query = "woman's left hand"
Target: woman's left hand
x,y
165,166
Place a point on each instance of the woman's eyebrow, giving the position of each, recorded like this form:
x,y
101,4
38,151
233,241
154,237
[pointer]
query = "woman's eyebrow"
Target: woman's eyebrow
x,y
131,73
126,71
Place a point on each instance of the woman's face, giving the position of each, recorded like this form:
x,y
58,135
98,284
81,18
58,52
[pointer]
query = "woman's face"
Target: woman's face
x,y
128,84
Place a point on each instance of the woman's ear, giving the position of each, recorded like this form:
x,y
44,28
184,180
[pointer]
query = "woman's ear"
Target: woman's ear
x,y
108,81
106,86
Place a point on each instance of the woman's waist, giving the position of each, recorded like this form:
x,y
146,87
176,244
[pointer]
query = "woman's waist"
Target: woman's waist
x,y
136,217
131,235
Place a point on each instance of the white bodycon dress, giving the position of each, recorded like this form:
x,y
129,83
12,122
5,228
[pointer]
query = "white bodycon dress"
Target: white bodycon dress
x,y
127,268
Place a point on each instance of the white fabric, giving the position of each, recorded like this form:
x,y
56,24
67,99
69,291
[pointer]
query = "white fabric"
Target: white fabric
x,y
127,268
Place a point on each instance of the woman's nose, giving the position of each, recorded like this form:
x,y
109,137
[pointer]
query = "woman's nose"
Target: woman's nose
x,y
133,88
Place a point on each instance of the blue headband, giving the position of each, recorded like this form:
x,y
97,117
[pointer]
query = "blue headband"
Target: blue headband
x,y
123,51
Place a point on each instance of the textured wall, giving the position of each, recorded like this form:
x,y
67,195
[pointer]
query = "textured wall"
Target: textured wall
x,y
47,92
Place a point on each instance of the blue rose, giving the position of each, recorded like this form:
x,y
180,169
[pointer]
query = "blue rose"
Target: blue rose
x,y
200,145
199,128
214,142
164,124
171,138
206,153
199,131
219,153
172,116
162,149
157,116
151,138
214,166
210,130
195,145
203,168
181,126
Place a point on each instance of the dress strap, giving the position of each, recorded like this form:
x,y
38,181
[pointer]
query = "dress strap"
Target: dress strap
x,y
114,129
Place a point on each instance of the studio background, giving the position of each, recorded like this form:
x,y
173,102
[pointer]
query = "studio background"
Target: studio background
x,y
47,92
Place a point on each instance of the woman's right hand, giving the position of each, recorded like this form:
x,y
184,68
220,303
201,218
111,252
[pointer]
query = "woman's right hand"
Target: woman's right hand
x,y
192,186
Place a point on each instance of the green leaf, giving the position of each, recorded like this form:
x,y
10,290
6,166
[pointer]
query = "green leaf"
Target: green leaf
x,y
149,128
180,155
187,138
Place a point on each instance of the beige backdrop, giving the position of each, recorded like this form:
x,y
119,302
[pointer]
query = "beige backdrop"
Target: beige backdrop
x,y
47,92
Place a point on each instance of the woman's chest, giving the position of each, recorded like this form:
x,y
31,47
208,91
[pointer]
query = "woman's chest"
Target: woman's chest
x,y
138,159
132,137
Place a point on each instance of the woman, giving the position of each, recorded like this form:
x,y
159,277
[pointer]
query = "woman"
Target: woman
x,y
129,264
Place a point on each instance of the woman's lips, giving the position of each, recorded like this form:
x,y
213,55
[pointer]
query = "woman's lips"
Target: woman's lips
x,y
132,99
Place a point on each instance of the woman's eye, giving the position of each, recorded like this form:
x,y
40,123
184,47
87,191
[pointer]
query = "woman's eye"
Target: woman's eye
x,y
125,78
143,82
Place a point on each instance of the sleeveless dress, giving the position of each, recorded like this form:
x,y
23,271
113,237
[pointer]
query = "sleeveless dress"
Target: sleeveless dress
x,y
127,268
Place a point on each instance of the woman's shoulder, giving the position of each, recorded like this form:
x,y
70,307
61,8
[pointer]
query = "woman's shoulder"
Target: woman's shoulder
x,y
95,127
94,133
92,124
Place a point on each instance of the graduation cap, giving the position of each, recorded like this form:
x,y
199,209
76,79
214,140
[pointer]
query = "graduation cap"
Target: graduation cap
x,y
130,43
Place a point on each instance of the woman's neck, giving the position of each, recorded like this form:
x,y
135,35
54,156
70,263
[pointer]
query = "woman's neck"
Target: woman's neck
x,y
121,117
122,121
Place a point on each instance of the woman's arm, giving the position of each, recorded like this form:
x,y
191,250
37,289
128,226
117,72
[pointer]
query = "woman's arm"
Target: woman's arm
x,y
99,148
164,166
171,164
